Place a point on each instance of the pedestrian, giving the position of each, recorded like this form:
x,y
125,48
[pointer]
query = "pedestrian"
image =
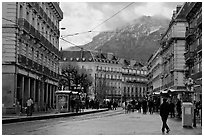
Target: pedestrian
x,y
144,106
172,107
164,112
139,106
115,105
178,108
72,104
18,108
29,106
151,106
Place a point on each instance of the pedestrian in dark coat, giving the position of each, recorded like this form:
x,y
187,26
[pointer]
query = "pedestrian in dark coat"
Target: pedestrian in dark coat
x,y
164,112
172,107
151,106
178,108
144,106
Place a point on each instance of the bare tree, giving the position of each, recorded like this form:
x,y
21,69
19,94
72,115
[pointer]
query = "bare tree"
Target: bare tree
x,y
72,77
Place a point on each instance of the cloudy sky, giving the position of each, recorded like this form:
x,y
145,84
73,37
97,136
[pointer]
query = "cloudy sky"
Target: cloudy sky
x,y
85,16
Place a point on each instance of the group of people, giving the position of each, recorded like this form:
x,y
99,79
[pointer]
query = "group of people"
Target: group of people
x,y
141,105
28,109
172,107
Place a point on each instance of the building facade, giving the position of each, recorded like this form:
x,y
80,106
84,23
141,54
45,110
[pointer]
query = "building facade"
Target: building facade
x,y
193,54
172,52
108,76
112,78
154,68
134,80
30,53
104,69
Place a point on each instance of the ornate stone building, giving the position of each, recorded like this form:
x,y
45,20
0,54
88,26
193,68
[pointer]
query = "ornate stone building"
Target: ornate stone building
x,y
134,80
193,54
154,68
172,53
30,53
112,78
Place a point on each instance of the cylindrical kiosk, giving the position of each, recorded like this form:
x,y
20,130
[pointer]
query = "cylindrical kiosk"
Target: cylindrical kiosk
x,y
187,114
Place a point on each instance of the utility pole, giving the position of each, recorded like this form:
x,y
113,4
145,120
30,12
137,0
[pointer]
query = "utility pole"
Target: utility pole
x,y
95,85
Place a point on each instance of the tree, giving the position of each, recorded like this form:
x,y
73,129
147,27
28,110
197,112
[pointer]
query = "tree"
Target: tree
x,y
73,78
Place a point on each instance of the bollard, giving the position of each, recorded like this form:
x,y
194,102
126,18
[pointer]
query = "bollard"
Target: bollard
x,y
194,118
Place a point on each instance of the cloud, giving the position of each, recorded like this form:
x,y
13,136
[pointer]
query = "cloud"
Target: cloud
x,y
84,16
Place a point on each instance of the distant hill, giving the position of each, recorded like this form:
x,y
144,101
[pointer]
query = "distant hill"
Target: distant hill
x,y
137,40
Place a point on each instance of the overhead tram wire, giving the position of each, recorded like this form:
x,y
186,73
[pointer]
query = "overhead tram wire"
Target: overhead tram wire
x,y
112,16
74,34
9,38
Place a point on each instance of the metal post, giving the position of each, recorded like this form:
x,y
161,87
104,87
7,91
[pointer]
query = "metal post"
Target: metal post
x,y
194,118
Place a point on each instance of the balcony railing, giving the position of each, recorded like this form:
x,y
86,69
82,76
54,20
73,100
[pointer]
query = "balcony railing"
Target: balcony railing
x,y
189,55
199,21
199,48
44,16
190,32
35,66
23,23
196,75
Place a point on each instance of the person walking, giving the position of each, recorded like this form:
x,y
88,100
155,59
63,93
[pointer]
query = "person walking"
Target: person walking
x,y
18,108
151,106
29,107
178,108
164,112
172,111
144,106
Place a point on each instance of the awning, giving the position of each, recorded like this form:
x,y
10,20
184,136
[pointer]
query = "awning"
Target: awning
x,y
156,93
66,92
164,92
177,91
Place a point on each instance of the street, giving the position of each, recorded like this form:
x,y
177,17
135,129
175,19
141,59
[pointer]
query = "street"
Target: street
x,y
113,122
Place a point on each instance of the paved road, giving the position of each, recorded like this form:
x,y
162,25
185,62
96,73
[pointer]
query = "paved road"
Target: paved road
x,y
103,123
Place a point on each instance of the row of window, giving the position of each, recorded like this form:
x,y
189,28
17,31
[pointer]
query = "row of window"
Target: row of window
x,y
197,67
39,57
109,76
129,71
39,24
133,79
134,89
108,69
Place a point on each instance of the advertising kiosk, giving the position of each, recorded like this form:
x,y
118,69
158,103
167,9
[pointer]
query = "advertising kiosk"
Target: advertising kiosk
x,y
63,99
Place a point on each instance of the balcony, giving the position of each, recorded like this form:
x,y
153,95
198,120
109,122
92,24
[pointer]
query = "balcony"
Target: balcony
x,y
190,33
28,28
55,5
30,62
35,5
199,48
199,20
23,23
196,75
189,55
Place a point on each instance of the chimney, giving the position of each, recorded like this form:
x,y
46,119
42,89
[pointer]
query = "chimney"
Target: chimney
x,y
132,62
174,14
81,52
178,7
109,56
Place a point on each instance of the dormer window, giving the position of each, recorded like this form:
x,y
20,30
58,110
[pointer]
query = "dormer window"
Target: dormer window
x,y
83,59
77,59
90,59
64,59
71,59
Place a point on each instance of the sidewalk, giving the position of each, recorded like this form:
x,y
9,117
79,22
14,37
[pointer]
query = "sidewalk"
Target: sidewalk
x,y
12,118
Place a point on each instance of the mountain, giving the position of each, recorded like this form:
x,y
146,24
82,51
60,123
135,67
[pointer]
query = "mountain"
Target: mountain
x,y
136,40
